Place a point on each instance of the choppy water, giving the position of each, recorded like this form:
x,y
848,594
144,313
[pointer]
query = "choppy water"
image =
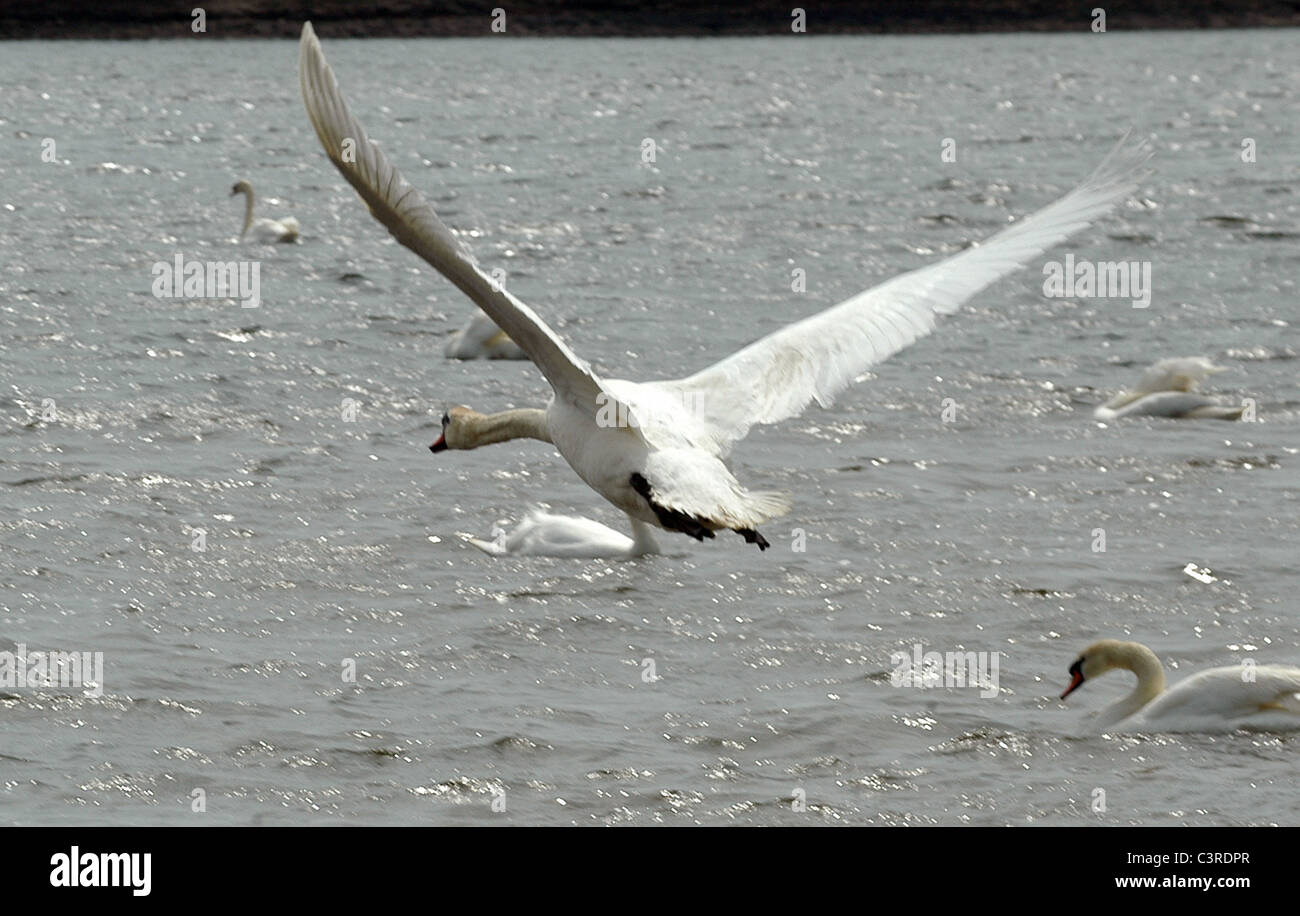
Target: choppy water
x,y
329,540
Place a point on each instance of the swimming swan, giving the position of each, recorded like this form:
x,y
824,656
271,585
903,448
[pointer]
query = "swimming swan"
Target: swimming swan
x,y
1214,700
482,339
655,450
1166,389
264,230
542,534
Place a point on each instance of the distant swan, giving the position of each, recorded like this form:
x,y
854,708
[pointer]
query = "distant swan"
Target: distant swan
x,y
264,230
655,450
541,534
482,339
1215,700
1166,389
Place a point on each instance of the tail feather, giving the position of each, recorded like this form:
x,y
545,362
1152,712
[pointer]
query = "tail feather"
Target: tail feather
x,y
769,504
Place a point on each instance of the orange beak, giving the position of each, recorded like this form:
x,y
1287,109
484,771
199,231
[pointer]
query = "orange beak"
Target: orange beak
x,y
440,445
1074,684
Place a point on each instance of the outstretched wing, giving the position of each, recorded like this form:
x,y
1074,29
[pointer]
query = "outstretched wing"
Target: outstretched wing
x,y
400,207
814,359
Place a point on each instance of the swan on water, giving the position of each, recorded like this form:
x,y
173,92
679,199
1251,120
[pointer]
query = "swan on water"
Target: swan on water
x,y
264,230
655,450
482,339
1167,389
1214,700
542,534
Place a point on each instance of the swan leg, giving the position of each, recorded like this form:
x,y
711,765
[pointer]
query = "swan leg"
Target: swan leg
x,y
643,540
751,536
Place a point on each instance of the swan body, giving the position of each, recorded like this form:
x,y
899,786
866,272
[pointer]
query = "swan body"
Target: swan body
x,y
541,534
656,450
1219,699
1168,389
263,230
482,339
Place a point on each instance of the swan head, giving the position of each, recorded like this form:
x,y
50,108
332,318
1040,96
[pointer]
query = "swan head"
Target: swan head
x,y
241,187
1107,655
463,428
457,430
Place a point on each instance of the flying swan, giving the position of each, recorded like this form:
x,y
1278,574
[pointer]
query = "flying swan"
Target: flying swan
x,y
1167,389
264,230
1215,700
655,450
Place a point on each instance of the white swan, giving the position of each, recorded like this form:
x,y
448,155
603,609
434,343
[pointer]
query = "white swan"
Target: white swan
x,y
542,534
1214,700
1166,389
655,450
264,230
482,339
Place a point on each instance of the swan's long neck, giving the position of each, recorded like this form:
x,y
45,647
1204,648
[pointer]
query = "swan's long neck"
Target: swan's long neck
x,y
525,423
248,210
1150,682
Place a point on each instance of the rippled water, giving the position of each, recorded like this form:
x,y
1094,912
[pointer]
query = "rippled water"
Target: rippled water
x,y
131,421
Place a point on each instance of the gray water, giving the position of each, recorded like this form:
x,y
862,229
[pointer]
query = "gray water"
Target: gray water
x,y
131,421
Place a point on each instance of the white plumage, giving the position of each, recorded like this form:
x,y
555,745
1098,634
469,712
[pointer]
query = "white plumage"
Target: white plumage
x,y
1220,699
655,449
264,230
1167,389
541,534
482,339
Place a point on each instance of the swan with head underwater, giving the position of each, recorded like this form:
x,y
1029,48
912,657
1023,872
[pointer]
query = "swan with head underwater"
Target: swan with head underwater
x,y
543,534
264,230
655,450
1168,389
1215,700
482,339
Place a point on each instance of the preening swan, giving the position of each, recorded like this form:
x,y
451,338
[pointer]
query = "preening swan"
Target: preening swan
x,y
264,230
1166,389
1215,700
655,450
542,534
482,339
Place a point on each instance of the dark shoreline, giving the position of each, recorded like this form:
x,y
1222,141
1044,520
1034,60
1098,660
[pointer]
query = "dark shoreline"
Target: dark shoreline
x,y
123,19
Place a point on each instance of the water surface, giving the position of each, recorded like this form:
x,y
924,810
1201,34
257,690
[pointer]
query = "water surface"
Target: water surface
x,y
329,541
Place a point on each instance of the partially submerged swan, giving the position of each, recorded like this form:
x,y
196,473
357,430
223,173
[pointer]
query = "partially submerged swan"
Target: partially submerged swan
x,y
542,534
482,339
264,230
1167,389
655,450
1214,700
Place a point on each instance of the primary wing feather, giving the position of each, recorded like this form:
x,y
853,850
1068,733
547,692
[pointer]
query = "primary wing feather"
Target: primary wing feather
x,y
413,222
814,359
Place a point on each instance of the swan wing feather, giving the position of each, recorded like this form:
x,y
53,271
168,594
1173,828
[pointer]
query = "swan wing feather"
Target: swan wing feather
x,y
814,359
1230,692
412,221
